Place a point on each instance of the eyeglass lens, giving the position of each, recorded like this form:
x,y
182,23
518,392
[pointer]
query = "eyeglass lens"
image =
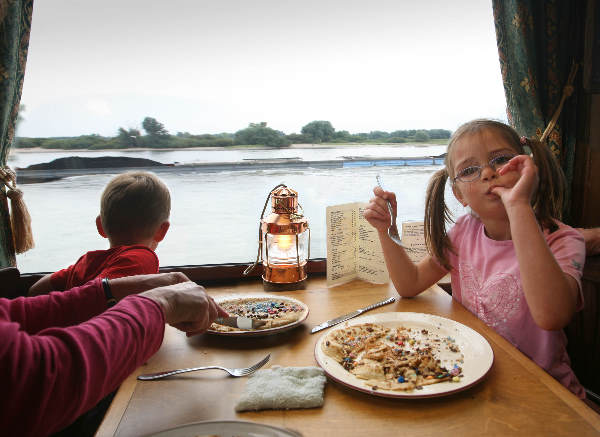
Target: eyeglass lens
x,y
473,172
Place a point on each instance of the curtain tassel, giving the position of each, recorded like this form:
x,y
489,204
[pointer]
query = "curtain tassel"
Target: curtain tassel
x,y
20,220
567,91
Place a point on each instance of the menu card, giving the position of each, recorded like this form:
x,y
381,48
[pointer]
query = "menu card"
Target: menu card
x,y
413,240
353,247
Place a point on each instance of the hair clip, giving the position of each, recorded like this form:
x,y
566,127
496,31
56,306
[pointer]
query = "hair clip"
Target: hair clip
x,y
526,148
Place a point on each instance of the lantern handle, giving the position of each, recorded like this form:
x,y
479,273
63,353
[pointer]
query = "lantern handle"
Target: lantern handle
x,y
251,267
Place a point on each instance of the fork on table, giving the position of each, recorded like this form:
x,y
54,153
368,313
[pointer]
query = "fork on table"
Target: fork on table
x,y
243,371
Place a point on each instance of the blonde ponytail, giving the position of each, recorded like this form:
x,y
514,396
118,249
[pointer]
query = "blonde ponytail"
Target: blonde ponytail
x,y
548,201
437,215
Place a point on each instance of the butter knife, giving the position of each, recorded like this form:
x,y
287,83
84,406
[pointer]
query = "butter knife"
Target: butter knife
x,y
348,316
241,322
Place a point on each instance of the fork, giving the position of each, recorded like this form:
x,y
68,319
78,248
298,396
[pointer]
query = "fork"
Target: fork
x,y
392,229
243,371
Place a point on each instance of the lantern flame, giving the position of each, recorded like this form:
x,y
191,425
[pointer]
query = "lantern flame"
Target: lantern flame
x,y
284,242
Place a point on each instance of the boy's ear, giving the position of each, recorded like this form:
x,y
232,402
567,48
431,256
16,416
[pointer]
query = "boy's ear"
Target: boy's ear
x,y
161,231
99,227
458,195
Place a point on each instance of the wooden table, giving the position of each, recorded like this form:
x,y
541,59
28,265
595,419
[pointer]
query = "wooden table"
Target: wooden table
x,y
516,397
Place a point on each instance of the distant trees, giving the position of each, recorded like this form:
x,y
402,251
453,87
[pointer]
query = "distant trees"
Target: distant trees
x,y
318,131
421,136
129,138
322,131
157,136
259,133
154,128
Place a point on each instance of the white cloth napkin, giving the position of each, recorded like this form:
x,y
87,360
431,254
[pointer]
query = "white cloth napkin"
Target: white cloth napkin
x,y
283,388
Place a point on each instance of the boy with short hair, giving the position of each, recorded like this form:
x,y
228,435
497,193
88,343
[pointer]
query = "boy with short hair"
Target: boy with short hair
x,y
134,217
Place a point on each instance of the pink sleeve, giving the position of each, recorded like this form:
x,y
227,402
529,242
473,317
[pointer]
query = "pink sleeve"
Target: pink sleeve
x,y
60,373
568,247
56,309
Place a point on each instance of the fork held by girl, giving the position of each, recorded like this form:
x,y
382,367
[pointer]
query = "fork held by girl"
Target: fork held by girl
x,y
512,262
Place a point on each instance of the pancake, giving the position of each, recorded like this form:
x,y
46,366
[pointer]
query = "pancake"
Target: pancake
x,y
396,358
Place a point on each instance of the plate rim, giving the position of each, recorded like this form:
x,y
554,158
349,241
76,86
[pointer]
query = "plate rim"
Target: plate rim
x,y
263,426
260,332
402,394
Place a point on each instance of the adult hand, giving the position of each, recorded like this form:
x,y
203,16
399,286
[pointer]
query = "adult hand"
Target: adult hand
x,y
122,287
376,212
592,240
524,188
186,306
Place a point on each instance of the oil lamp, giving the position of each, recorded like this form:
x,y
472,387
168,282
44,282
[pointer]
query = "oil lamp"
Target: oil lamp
x,y
283,242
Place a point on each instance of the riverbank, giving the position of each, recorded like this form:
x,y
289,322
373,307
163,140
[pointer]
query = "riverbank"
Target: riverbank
x,y
77,166
244,147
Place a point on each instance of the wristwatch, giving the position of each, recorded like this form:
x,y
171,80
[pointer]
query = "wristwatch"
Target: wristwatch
x,y
110,299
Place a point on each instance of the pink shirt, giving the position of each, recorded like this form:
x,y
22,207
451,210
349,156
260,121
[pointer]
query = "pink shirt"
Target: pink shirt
x,y
60,354
486,279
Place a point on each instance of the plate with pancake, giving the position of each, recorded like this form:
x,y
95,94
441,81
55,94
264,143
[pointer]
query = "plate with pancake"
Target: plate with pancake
x,y
404,355
280,313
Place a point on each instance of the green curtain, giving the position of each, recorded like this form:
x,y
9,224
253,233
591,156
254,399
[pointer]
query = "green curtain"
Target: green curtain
x,y
538,42
15,25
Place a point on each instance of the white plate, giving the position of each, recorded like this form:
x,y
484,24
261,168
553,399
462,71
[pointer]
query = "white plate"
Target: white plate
x,y
227,428
477,352
260,332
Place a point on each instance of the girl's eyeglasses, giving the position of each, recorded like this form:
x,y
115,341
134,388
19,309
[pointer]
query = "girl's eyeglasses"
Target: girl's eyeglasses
x,y
473,172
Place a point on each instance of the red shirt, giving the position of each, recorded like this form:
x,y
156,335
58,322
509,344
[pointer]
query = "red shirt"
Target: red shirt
x,y
60,354
115,262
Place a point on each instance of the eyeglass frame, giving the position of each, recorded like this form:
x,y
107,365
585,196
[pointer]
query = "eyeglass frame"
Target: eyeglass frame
x,y
479,168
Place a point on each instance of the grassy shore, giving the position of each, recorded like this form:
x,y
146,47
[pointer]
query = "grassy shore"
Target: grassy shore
x,y
238,147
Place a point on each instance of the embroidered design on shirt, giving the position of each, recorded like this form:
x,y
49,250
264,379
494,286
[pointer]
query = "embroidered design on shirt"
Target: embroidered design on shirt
x,y
575,264
497,301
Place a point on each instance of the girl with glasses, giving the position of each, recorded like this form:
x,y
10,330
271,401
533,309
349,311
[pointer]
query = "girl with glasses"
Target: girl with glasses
x,y
512,262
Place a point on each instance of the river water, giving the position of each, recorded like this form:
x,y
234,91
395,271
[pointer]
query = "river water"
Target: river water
x,y
214,216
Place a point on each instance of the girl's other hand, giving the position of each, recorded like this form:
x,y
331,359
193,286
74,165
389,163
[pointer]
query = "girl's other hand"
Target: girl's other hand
x,y
524,188
376,212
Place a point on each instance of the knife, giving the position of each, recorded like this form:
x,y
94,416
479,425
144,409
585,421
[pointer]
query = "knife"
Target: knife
x,y
241,322
348,316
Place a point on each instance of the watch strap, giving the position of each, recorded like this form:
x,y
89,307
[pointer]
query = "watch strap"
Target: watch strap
x,y
110,299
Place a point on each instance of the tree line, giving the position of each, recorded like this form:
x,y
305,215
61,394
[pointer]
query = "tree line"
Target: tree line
x,y
155,135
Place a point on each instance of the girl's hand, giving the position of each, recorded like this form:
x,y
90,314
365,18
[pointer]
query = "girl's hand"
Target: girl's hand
x,y
377,213
523,190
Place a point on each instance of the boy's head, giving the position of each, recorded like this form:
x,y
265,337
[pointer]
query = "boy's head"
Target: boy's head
x,y
134,209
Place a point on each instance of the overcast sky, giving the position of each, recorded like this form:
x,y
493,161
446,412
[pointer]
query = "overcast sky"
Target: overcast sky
x,y
215,66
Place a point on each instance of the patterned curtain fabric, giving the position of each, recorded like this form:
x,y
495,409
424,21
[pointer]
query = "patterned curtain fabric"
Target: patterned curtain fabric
x,y
538,43
15,25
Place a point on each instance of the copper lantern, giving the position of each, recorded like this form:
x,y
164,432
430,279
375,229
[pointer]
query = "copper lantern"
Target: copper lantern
x,y
284,242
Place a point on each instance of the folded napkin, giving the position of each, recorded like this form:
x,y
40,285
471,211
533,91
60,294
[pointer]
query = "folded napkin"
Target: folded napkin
x,y
283,388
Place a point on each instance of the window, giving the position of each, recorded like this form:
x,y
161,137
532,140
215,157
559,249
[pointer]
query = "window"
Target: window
x,y
215,67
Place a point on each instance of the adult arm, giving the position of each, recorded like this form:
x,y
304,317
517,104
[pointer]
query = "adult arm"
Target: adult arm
x,y
592,240
59,373
56,309
79,303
